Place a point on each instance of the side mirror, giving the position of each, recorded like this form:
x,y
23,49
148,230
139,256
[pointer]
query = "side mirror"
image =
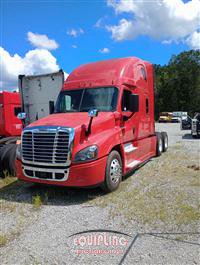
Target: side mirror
x,y
51,107
134,103
21,116
93,113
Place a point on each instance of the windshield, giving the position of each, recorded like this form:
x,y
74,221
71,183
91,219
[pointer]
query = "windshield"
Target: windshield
x,y
83,100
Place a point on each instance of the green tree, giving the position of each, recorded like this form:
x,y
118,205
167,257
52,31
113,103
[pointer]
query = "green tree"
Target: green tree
x,y
178,83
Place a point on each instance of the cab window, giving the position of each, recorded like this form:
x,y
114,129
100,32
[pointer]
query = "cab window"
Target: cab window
x,y
17,110
125,100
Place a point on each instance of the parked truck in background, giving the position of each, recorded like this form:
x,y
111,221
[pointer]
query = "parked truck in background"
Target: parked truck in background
x,y
101,128
35,93
165,117
10,106
10,129
177,116
195,126
192,124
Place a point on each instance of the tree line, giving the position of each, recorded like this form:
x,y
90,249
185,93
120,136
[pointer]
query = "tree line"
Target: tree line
x,y
177,84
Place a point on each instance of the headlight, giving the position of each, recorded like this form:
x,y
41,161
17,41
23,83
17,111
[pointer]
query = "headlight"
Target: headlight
x,y
19,151
87,154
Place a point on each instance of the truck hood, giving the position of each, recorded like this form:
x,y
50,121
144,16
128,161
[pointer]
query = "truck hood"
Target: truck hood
x,y
75,120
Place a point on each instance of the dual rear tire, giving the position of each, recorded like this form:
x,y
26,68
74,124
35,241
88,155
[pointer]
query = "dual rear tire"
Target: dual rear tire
x,y
161,143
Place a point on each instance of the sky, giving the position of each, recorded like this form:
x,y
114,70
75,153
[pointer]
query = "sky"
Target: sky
x,y
44,36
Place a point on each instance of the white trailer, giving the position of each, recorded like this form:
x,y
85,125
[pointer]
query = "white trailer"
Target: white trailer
x,y
37,91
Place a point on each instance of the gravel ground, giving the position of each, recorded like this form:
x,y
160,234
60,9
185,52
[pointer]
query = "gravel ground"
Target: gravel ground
x,y
157,206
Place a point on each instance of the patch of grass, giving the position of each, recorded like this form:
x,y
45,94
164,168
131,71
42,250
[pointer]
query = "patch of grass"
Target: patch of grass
x,y
13,233
3,240
187,214
7,206
37,201
195,182
6,181
159,193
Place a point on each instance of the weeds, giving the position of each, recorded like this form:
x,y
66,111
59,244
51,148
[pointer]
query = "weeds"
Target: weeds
x,y
37,201
3,240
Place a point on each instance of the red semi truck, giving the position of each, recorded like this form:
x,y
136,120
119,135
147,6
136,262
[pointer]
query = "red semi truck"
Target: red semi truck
x,y
101,128
10,129
10,106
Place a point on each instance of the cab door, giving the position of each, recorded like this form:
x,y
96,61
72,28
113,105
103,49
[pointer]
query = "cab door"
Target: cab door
x,y
129,131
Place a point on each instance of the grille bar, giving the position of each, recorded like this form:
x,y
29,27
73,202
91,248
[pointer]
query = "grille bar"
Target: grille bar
x,y
49,147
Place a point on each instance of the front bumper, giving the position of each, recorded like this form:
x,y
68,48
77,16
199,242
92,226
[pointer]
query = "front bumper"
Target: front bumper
x,y
77,175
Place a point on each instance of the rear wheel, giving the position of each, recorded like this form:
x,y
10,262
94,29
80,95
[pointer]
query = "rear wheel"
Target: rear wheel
x,y
113,172
164,141
159,144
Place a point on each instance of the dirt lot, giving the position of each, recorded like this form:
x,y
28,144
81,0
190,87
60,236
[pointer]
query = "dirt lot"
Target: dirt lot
x,y
157,206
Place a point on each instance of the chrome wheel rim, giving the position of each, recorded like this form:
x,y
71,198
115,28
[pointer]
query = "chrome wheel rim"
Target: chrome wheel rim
x,y
166,142
115,171
160,145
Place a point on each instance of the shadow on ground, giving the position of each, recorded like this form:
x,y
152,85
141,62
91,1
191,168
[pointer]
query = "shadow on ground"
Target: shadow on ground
x,y
188,136
22,192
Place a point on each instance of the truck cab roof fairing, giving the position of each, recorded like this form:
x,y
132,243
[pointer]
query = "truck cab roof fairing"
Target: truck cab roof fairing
x,y
109,72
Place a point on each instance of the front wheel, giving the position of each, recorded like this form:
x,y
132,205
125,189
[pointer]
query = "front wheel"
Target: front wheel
x,y
113,175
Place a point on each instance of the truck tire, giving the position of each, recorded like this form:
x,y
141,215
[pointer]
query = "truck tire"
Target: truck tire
x,y
164,141
113,174
7,159
159,144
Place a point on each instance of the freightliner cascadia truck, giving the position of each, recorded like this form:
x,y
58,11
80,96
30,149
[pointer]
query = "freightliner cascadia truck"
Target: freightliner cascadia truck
x,y
35,93
102,127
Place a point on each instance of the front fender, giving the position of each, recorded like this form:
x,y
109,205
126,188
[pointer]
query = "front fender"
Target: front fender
x,y
106,140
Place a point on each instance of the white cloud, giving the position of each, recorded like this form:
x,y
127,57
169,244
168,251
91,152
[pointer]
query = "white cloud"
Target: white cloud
x,y
166,20
74,46
42,41
104,50
75,32
100,22
166,41
194,40
38,61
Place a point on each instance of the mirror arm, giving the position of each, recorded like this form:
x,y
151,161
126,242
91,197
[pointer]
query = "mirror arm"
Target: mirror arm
x,y
88,131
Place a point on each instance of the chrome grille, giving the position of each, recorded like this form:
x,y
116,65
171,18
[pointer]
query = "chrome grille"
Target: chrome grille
x,y
46,146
